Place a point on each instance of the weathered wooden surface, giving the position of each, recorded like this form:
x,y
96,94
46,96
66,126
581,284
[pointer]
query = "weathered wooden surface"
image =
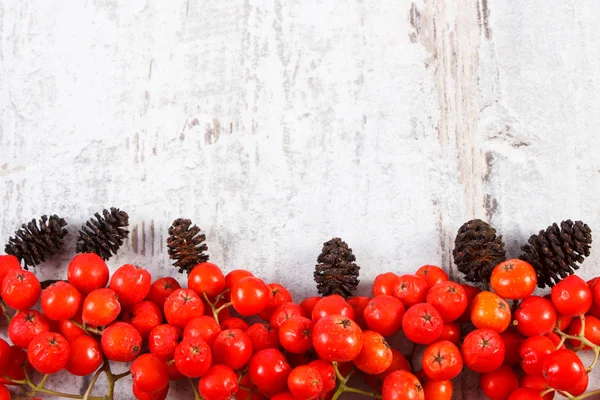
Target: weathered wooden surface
x,y
276,125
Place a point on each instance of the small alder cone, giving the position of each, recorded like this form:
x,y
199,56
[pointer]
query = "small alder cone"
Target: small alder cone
x,y
477,250
104,234
557,252
186,245
36,241
336,272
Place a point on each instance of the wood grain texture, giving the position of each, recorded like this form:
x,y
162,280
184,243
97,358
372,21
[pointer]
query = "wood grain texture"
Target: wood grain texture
x,y
276,125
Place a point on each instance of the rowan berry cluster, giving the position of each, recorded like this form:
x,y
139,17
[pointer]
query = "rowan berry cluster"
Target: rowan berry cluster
x,y
233,336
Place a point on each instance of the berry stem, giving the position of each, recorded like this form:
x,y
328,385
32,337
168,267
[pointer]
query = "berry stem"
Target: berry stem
x,y
121,376
363,392
5,311
41,389
545,392
338,392
582,339
42,382
593,364
212,307
220,296
583,343
588,395
241,376
567,395
67,395
337,373
195,389
581,333
213,304
224,306
88,392
36,388
15,381
110,379
561,343
87,328
342,384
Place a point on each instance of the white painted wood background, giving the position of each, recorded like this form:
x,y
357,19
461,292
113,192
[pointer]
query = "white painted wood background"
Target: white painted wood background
x,y
276,125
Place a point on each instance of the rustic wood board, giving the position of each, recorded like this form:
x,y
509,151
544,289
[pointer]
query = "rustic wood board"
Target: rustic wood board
x,y
276,125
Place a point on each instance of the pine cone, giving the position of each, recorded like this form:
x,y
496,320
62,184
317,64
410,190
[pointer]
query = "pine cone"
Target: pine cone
x,y
186,245
477,250
555,253
104,234
32,244
336,272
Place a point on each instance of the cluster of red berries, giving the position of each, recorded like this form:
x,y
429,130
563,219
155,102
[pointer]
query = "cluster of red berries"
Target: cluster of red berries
x,y
307,350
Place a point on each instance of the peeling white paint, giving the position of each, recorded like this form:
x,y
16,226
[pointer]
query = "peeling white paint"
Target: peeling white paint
x,y
276,125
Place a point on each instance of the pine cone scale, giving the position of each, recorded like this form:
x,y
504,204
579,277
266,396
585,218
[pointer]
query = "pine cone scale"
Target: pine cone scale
x,y
104,234
32,244
336,272
557,252
477,250
186,245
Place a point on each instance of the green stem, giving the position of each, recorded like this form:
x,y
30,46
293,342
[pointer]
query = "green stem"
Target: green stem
x,y
340,377
363,392
87,329
195,389
581,333
352,371
88,392
67,395
15,381
212,307
220,296
44,379
582,330
213,304
121,376
27,377
567,395
39,388
593,364
562,341
110,380
588,395
224,306
583,343
545,392
583,340
338,392
5,311
342,385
